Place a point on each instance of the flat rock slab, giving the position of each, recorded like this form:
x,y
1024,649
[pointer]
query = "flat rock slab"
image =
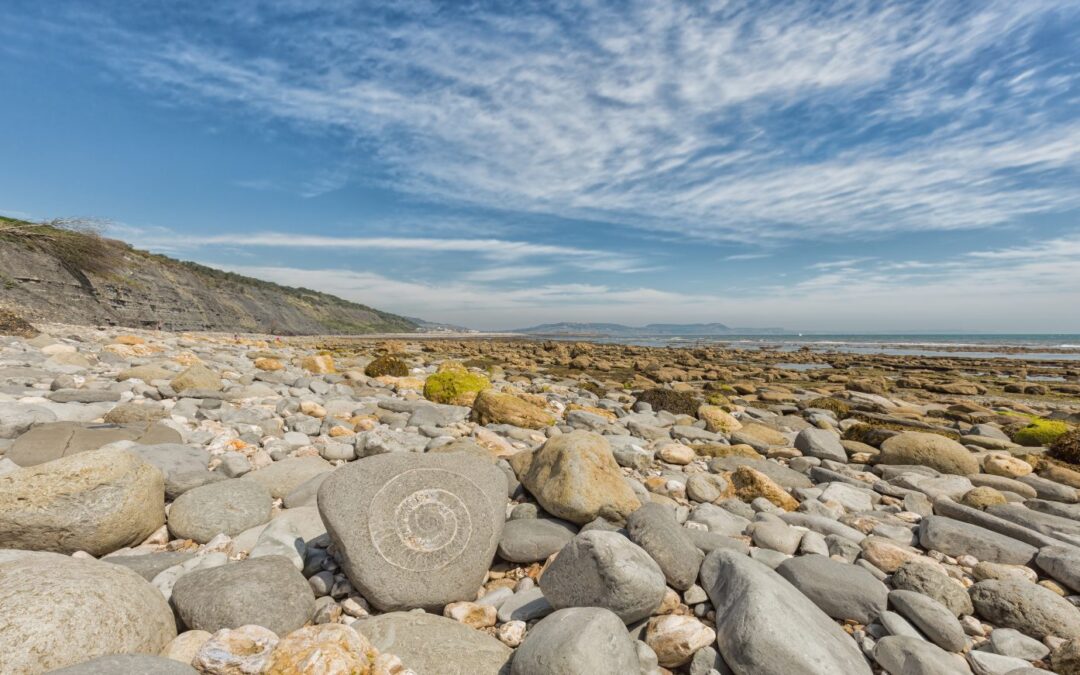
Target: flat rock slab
x,y
769,627
577,641
58,611
150,565
415,530
434,645
47,442
954,537
267,592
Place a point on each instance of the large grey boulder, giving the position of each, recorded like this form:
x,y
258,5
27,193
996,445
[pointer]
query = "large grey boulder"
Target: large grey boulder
x,y
820,443
57,611
1027,607
17,418
841,590
97,501
128,664
935,620
267,592
768,627
577,641
928,579
226,507
415,530
527,540
433,645
954,537
605,569
653,527
1062,563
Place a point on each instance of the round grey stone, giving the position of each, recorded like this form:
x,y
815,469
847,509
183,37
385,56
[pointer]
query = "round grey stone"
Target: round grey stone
x,y
226,507
183,466
577,641
1011,642
913,656
526,540
284,476
58,611
267,592
605,569
415,530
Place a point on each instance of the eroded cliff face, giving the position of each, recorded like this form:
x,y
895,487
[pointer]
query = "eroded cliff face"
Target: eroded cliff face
x,y
144,290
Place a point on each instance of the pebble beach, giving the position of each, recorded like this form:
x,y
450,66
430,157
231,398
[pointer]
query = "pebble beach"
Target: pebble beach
x,y
225,504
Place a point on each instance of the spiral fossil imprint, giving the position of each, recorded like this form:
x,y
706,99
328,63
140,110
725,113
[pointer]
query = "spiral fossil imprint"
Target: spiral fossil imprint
x,y
424,519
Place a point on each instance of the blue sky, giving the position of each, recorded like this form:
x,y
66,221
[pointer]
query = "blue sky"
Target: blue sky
x,y
878,165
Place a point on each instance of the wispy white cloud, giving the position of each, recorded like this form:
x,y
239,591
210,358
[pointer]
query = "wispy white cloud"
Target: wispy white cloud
x,y
747,256
668,116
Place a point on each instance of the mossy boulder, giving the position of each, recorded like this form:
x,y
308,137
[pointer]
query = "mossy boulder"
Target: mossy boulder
x,y
1066,448
833,405
387,365
495,407
455,386
675,402
1040,433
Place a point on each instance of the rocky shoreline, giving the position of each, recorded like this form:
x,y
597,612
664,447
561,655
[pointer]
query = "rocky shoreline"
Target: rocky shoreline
x,y
209,503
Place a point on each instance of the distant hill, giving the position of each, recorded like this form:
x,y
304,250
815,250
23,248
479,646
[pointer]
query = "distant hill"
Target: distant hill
x,y
71,275
569,329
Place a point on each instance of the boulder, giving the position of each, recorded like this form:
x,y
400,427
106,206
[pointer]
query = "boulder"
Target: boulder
x,y
954,537
267,592
196,377
183,466
843,591
527,540
653,527
932,450
575,477
96,501
769,627
820,443
415,530
577,641
434,645
226,507
931,617
494,407
605,569
908,655
58,611
1062,563
1027,607
930,580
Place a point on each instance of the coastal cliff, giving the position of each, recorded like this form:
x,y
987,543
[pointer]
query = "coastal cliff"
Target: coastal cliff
x,y
63,275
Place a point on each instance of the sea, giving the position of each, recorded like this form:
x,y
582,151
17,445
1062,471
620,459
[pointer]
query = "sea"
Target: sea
x,y
1061,347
